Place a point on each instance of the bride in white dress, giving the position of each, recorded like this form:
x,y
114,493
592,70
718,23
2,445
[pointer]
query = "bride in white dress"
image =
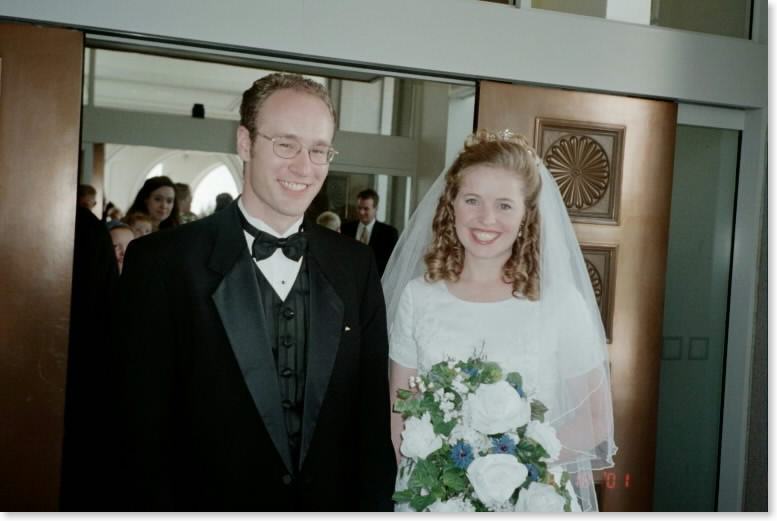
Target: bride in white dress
x,y
489,265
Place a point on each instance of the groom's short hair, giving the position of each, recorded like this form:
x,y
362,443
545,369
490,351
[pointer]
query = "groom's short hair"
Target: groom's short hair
x,y
264,87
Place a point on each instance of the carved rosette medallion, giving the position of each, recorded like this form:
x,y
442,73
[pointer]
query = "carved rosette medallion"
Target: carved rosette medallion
x,y
581,169
596,281
600,265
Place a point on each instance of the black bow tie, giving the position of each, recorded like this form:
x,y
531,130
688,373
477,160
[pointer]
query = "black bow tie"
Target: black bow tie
x,y
265,244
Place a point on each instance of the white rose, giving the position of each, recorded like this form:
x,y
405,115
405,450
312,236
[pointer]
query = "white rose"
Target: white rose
x,y
497,408
418,438
545,435
452,505
495,477
539,497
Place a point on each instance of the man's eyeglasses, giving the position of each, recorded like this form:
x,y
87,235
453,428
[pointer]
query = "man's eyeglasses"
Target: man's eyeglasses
x,y
289,147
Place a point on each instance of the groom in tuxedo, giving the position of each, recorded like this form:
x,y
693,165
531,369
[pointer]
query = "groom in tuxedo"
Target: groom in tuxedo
x,y
258,380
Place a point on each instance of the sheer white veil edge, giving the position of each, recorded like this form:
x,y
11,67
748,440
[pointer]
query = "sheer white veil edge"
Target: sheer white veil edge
x,y
583,416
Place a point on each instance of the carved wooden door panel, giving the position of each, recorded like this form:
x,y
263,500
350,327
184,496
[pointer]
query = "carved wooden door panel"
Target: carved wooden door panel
x,y
612,158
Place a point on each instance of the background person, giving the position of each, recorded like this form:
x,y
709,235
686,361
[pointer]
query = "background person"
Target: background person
x,y
86,196
121,235
139,222
89,393
329,220
222,201
183,194
156,199
113,212
380,236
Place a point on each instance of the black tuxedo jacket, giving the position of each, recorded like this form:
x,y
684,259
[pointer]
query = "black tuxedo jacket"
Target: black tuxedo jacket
x,y
200,397
382,240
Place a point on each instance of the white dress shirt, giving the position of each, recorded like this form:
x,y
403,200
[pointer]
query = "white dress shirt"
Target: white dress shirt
x,y
361,227
279,270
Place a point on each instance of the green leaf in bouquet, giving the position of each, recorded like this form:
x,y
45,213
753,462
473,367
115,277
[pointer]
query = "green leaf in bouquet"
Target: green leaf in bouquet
x,y
562,489
419,502
538,410
403,496
479,506
438,491
404,394
408,407
529,451
514,379
444,428
425,475
439,424
428,404
440,375
490,372
455,479
524,449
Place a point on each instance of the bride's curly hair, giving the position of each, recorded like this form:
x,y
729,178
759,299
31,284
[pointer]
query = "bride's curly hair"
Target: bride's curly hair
x,y
445,259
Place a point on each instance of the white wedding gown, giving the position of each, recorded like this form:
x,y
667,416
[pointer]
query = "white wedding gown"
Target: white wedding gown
x,y
433,325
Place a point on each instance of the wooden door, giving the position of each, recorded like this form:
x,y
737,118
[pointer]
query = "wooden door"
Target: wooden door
x,y
40,107
612,157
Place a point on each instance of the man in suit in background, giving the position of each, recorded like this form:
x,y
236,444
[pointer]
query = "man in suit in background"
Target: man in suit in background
x,y
259,379
89,402
380,236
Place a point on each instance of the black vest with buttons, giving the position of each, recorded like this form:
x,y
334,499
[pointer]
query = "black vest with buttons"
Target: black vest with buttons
x,y
287,321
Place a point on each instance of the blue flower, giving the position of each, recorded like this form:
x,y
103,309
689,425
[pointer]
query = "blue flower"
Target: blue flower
x,y
462,455
503,445
534,474
471,371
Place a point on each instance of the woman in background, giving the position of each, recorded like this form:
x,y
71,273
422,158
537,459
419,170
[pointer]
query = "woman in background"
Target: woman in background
x,y
156,199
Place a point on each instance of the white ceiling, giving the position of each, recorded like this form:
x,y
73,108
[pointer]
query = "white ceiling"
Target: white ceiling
x,y
143,82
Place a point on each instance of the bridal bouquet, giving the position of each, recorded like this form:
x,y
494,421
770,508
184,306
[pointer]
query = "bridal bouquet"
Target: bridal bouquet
x,y
473,441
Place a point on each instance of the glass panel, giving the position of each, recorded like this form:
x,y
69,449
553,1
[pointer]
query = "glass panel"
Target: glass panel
x,y
721,17
695,316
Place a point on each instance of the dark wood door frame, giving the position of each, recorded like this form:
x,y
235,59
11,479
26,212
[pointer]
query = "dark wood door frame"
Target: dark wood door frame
x,y
40,107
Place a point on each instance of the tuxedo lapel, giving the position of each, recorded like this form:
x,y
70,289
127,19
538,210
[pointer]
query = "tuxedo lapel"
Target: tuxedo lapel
x,y
326,325
239,304
375,235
